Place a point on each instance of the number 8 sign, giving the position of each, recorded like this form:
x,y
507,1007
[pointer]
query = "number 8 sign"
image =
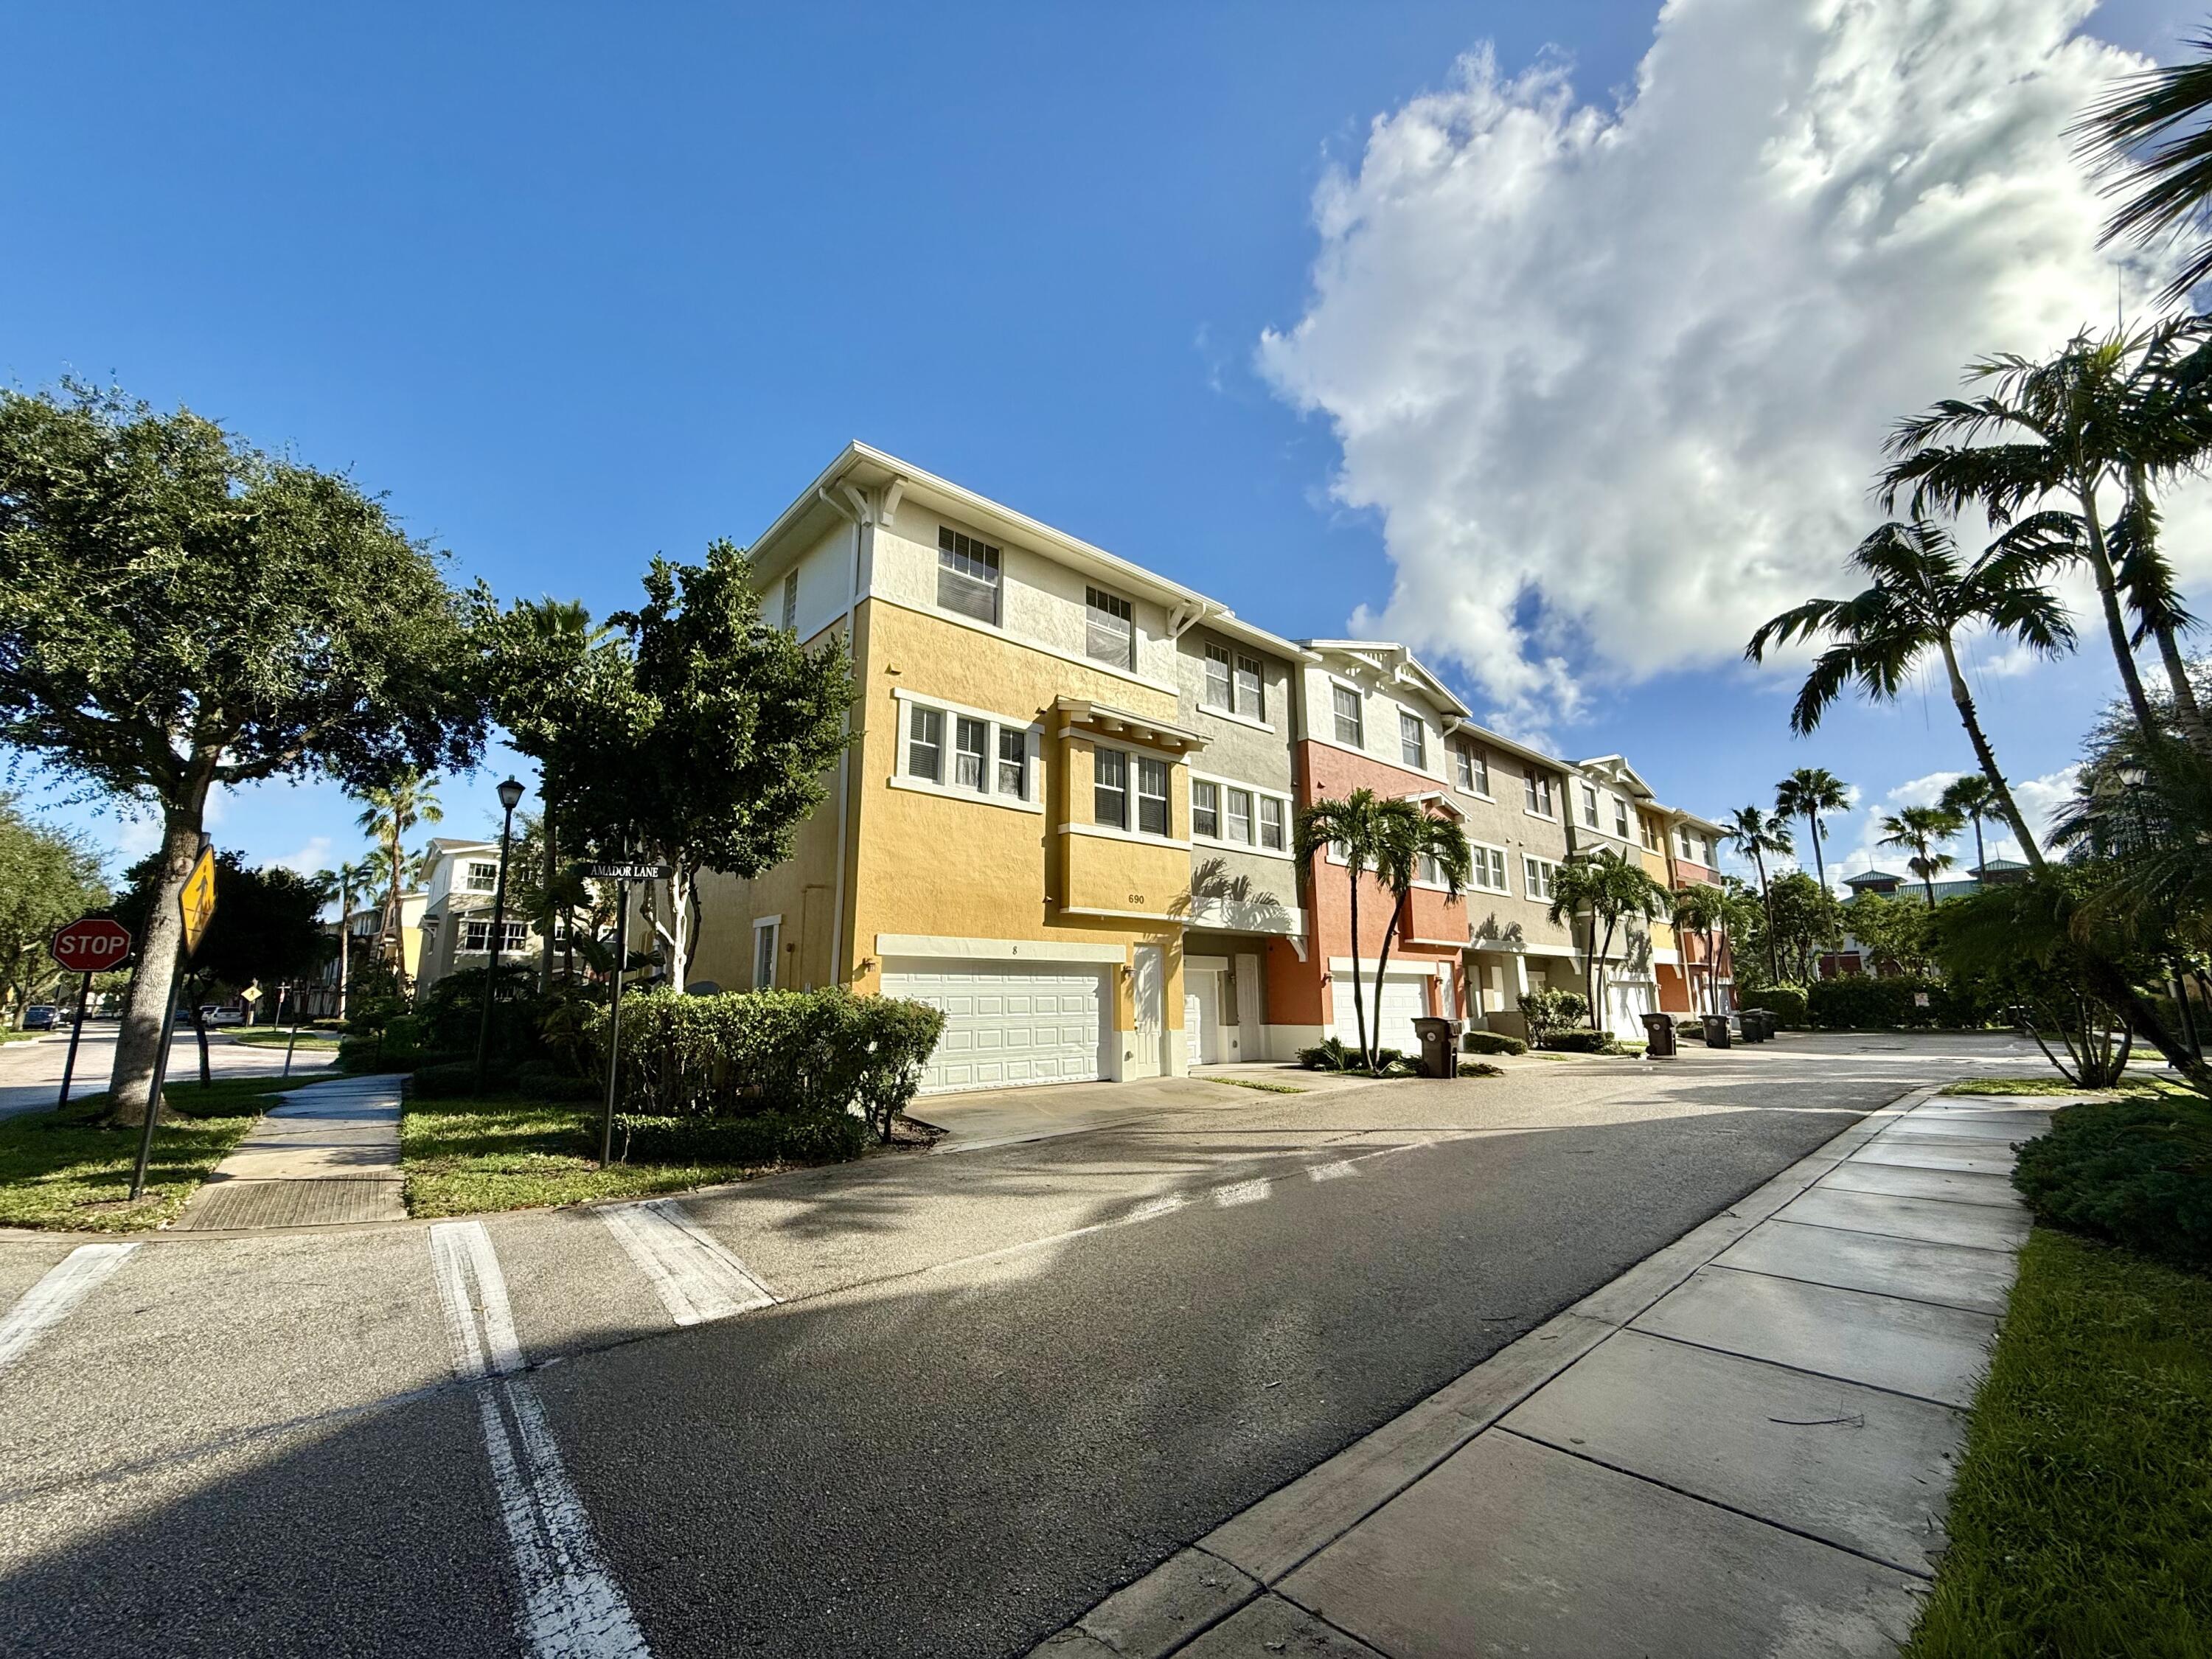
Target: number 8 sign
x,y
91,944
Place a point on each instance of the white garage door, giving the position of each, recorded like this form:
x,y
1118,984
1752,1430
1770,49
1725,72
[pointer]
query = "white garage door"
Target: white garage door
x,y
1403,1001
1005,1026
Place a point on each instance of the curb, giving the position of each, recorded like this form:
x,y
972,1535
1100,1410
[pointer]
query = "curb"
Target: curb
x,y
1205,1581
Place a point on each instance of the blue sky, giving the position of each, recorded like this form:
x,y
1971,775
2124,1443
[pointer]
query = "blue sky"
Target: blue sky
x,y
573,288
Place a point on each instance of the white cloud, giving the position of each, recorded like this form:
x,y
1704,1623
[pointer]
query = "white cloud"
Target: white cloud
x,y
1615,381
315,855
2040,800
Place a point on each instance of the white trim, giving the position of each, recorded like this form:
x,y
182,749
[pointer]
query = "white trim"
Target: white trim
x,y
1021,643
1210,915
1253,848
1138,915
1211,713
903,694
773,924
1108,832
948,792
1259,791
948,947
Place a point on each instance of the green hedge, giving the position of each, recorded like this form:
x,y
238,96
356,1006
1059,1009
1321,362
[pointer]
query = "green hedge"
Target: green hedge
x,y
813,1055
762,1138
1582,1041
2137,1170
1787,1003
1861,1002
1492,1042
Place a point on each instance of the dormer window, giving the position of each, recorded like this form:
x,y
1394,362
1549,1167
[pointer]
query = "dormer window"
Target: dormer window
x,y
1111,630
482,877
967,577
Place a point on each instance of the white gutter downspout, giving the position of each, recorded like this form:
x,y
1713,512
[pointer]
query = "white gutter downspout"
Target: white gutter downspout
x,y
844,759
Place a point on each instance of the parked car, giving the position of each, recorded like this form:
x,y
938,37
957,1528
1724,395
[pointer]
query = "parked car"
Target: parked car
x,y
40,1016
211,1015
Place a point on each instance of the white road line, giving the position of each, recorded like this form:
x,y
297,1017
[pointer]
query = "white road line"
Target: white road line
x,y
1334,1171
571,1608
50,1301
697,1279
1242,1192
1166,1204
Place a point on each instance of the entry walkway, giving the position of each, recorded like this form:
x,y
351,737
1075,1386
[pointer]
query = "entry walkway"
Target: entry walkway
x,y
329,1154
1741,1446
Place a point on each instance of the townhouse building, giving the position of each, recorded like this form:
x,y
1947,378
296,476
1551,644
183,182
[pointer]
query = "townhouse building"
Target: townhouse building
x,y
459,880
1066,812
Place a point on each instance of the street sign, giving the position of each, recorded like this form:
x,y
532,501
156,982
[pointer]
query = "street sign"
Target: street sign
x,y
197,900
91,944
251,993
629,872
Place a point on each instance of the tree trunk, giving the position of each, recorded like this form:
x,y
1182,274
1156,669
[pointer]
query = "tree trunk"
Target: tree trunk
x,y
147,1001
1381,966
1597,1007
1819,863
345,952
2116,627
545,954
1359,1004
1766,900
1987,757
199,1030
2187,713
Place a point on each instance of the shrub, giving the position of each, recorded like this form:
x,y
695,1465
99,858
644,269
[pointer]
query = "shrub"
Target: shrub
x,y
455,1079
1857,1002
762,1138
2136,1170
1787,1003
809,1053
396,1047
1583,1041
450,1015
1492,1042
1549,1010
1330,1054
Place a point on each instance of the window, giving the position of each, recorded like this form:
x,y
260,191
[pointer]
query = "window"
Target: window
x,y
1431,871
1110,634
764,953
1110,790
1539,874
476,934
482,877
1412,741
1152,797
1650,832
1219,682
924,749
1487,869
970,744
1271,823
1251,688
1013,762
1620,820
1708,859
1205,809
967,575
1348,727
791,600
1590,807
1538,793
1240,816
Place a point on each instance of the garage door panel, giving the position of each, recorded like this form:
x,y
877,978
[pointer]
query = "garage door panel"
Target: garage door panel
x,y
1404,1000
1005,1027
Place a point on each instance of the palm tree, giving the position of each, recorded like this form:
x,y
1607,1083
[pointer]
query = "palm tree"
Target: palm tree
x,y
1971,798
1805,794
1920,828
1353,830
1702,908
2151,132
1610,889
388,814
1414,843
1754,833
2111,414
345,884
1919,600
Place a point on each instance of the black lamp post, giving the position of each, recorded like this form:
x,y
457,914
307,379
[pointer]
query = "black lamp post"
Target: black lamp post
x,y
510,797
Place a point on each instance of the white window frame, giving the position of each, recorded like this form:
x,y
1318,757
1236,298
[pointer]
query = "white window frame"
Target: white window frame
x,y
1620,817
1204,806
1480,853
1413,734
1122,759
1221,698
468,868
791,602
1280,828
1260,795
513,935
1258,711
1542,802
1141,797
997,728
1539,878
980,552
1229,797
1102,602
1357,741
1590,806
772,927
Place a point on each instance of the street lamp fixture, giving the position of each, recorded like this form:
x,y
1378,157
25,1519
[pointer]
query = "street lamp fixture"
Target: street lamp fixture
x,y
510,797
2133,778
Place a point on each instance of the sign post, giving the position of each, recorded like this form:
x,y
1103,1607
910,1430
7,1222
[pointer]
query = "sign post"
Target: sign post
x,y
622,875
197,906
87,946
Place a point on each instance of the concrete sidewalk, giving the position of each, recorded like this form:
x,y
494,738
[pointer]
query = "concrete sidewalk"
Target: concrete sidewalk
x,y
329,1154
1741,1446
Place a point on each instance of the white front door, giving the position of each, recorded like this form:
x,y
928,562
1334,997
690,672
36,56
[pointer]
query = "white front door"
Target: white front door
x,y
1201,1017
1147,1055
1007,1025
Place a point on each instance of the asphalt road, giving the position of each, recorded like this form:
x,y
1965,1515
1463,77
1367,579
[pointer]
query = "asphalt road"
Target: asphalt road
x,y
996,1386
30,1072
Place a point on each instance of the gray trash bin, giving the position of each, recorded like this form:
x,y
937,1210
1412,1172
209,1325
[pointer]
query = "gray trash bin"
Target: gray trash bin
x,y
1758,1025
1717,1030
1439,1040
1659,1036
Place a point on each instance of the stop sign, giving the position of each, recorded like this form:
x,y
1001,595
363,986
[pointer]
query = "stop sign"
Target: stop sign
x,y
91,944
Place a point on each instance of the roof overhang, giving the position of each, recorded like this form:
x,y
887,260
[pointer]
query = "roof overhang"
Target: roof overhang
x,y
1104,721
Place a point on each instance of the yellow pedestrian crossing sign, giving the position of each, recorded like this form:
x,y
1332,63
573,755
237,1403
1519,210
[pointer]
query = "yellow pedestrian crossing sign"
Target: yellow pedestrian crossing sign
x,y
197,900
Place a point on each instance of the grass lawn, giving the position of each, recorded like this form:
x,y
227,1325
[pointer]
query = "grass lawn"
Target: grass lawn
x,y
24,1036
64,1170
275,1037
2045,1084
461,1157
2082,1523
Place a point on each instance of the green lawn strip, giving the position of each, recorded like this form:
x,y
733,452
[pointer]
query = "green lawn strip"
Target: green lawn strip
x,y
68,1170
263,1037
2047,1084
2082,1523
460,1156
1264,1088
